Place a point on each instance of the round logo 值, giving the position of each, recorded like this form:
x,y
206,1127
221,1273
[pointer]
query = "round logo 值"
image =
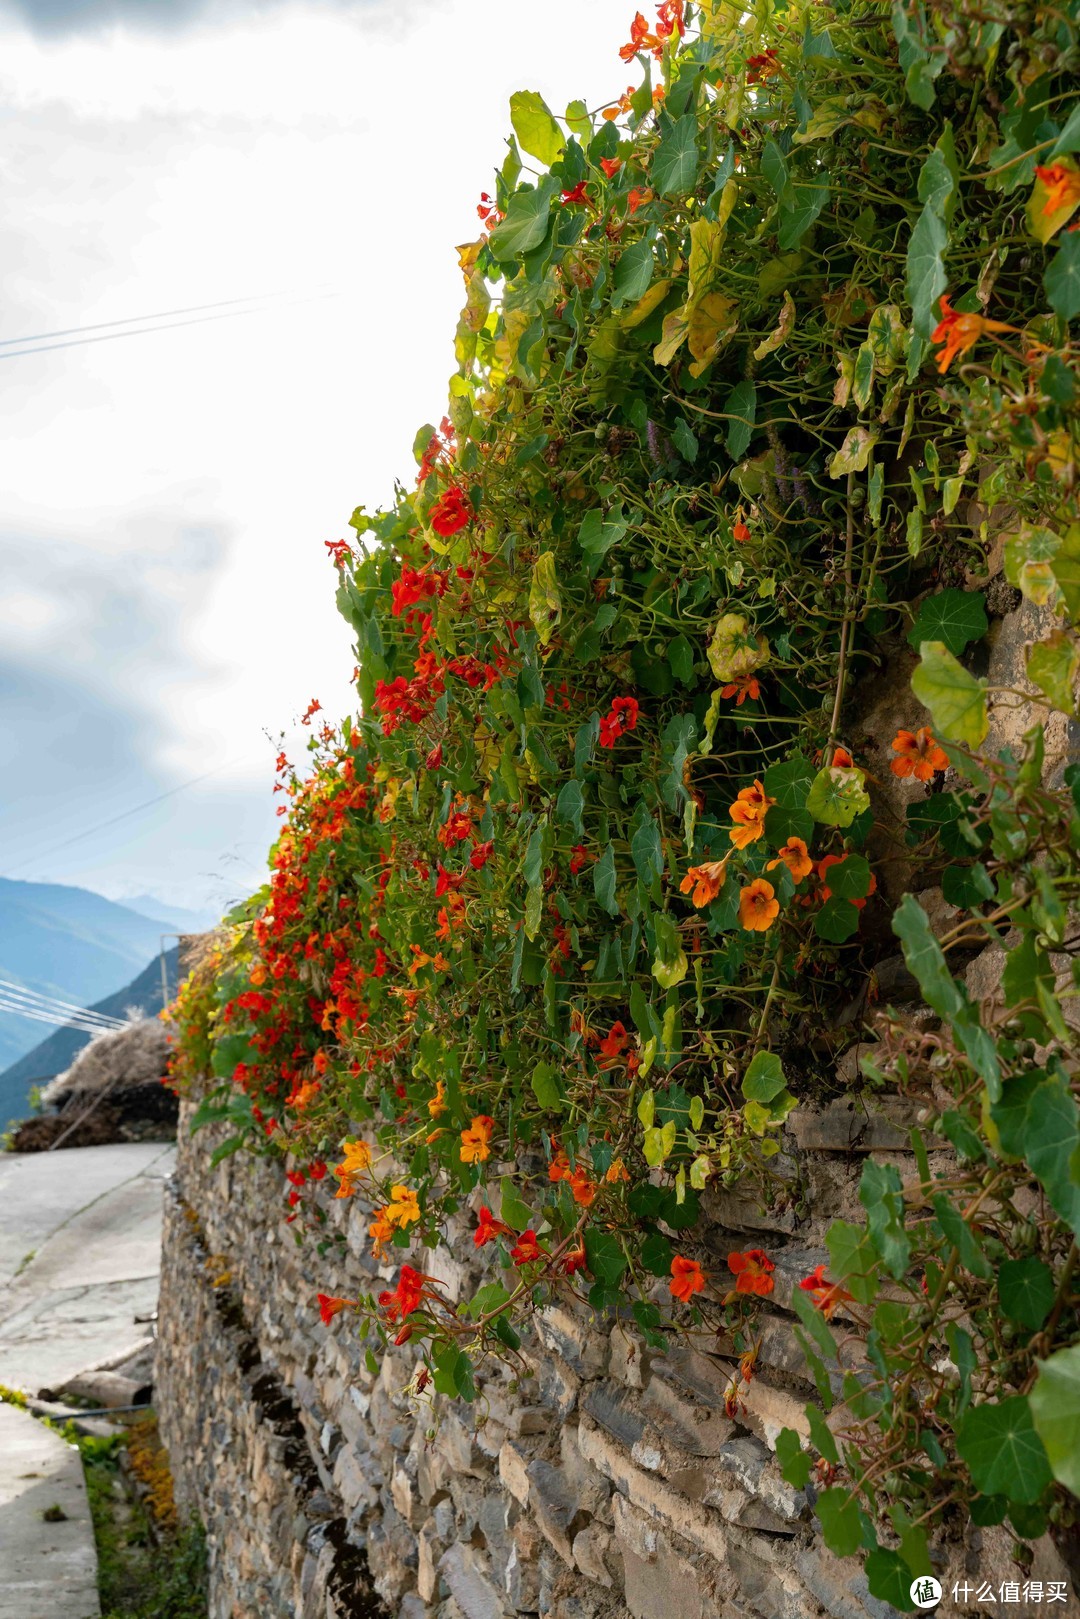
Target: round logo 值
x,y
925,1591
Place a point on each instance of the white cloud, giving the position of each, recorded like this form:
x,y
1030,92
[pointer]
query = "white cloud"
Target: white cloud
x,y
298,149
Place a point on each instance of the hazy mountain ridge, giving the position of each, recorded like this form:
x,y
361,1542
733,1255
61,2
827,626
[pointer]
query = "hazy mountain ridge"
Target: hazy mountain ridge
x,y
70,943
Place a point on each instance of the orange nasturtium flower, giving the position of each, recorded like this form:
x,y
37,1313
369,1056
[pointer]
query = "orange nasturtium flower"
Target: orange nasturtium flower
x,y
356,1160
583,1189
758,906
437,1104
959,333
476,1140
380,1231
617,1171
748,813
826,1295
403,1207
752,1272
918,755
742,687
795,856
1062,186
706,881
686,1278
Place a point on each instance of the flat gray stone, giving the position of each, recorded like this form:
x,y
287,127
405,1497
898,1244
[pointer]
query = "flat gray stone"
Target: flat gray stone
x,y
87,1267
49,1569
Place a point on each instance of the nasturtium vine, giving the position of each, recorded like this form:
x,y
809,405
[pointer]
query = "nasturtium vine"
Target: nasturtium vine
x,y
764,384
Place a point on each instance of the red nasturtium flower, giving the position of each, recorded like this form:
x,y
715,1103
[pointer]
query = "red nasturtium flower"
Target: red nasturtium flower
x,y
611,166
740,532
918,755
622,717
579,858
959,333
841,759
637,198
795,856
488,1228
614,1043
451,512
1062,184
758,906
526,1249
578,193
330,1306
686,1278
826,1295
752,1272
406,1296
476,1140
706,881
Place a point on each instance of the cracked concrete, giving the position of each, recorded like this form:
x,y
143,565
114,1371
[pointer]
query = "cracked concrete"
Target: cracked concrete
x,y
80,1246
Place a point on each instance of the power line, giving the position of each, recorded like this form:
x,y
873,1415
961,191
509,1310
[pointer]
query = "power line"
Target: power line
x,y
170,326
88,832
56,1021
132,320
53,1003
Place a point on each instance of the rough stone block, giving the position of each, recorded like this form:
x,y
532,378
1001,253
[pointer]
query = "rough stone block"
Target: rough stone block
x,y
582,1348
851,1124
554,1504
462,1569
514,1471
667,1586
616,1411
590,1547
839,1585
695,1426
653,1496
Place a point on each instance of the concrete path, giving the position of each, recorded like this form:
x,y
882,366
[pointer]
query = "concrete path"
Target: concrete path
x,y
48,1570
80,1252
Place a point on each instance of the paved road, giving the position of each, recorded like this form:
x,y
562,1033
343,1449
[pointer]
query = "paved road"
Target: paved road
x,y
49,1569
80,1246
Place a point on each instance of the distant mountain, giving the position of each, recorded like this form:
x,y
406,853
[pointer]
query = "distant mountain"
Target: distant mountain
x,y
57,1052
70,943
181,920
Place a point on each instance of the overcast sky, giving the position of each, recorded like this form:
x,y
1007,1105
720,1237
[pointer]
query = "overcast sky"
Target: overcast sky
x,y
165,498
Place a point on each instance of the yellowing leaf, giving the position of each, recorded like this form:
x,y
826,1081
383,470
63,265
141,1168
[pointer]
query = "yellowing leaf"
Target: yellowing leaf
x,y
670,973
1028,563
1042,225
545,603
645,305
706,244
784,327
956,700
711,323
1052,666
734,649
673,335
854,453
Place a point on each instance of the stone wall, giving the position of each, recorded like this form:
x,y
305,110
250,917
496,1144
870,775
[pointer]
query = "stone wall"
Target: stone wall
x,y
607,1482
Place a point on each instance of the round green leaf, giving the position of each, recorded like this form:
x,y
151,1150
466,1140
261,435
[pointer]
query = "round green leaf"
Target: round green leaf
x,y
850,879
1026,1291
764,1078
1055,1407
953,617
966,886
837,794
837,920
1005,1454
604,1257
956,700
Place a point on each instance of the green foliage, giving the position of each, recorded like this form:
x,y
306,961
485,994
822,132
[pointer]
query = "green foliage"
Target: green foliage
x,y
594,883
